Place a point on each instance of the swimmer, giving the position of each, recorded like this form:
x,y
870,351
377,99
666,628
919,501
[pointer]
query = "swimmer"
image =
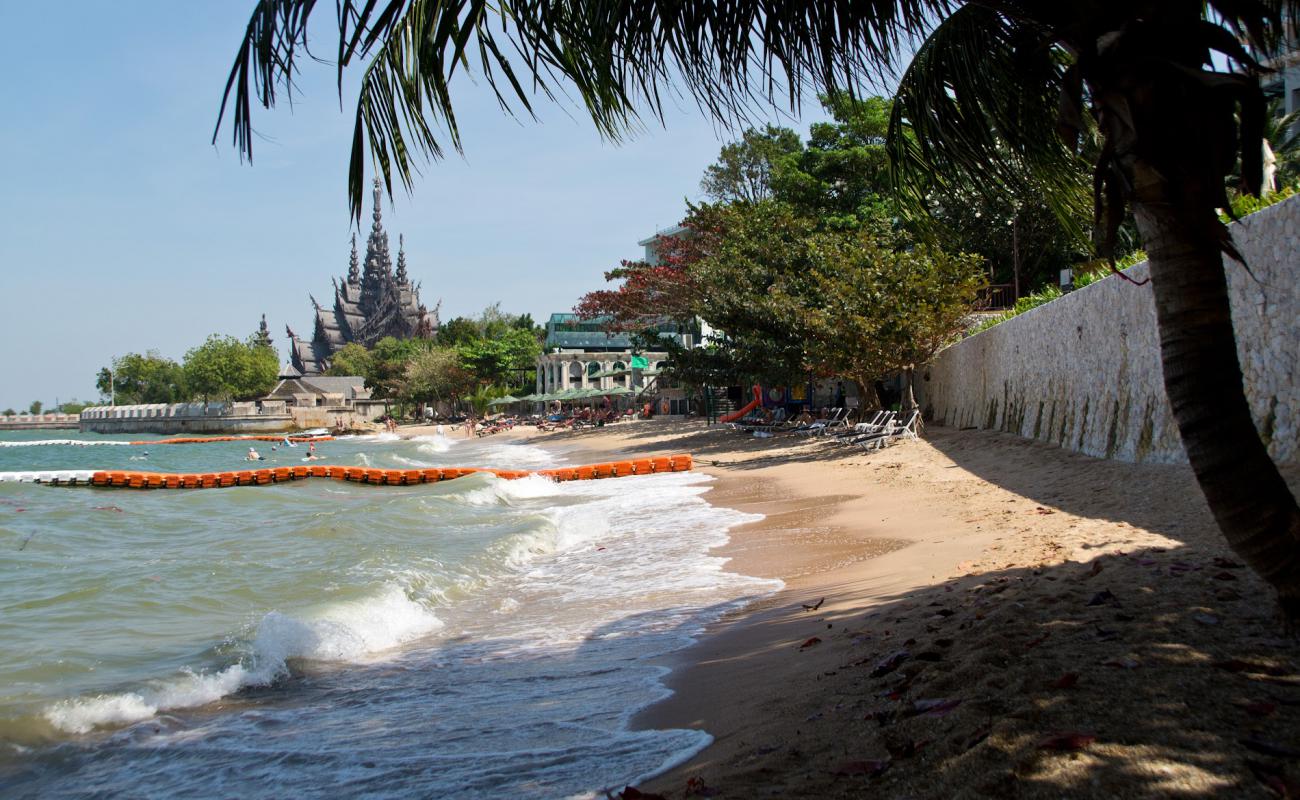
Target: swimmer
x,y
288,443
252,455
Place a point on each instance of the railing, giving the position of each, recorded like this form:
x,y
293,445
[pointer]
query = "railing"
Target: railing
x,y
997,297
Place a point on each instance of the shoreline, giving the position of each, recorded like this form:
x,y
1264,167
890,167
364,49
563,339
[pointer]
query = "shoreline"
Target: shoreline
x,y
987,600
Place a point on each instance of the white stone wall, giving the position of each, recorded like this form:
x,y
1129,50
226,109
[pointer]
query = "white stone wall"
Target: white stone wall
x,y
1084,371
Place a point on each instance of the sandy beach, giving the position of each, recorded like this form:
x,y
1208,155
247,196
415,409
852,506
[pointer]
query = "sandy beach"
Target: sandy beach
x,y
972,614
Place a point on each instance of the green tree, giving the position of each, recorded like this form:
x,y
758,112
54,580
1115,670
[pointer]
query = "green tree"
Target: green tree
x,y
8,412
387,367
457,331
993,92
435,375
224,368
869,311
744,169
351,359
143,378
503,358
35,407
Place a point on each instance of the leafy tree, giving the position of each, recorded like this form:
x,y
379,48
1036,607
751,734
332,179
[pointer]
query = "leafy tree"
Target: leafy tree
x,y
501,359
459,330
8,412
35,407
387,366
351,359
73,406
143,378
436,375
869,311
744,169
225,368
993,92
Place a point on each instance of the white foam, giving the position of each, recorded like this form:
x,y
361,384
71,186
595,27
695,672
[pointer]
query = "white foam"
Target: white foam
x,y
71,442
432,444
353,632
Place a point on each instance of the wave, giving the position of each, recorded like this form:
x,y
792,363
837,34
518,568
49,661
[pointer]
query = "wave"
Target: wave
x,y
346,632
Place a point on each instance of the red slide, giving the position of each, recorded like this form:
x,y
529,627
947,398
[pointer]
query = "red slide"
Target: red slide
x,y
745,409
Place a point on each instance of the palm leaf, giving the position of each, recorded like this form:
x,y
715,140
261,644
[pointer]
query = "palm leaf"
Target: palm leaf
x,y
977,110
618,59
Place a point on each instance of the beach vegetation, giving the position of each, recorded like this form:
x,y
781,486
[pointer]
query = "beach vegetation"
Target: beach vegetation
x,y
1007,98
745,168
351,359
36,407
9,412
143,378
224,368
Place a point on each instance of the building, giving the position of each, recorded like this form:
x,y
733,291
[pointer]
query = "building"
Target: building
x,y
371,302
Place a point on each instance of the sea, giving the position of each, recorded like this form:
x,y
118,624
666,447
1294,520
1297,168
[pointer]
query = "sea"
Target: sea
x,y
476,638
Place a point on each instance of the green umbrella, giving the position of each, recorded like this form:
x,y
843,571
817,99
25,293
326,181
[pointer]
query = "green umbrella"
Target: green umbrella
x,y
503,400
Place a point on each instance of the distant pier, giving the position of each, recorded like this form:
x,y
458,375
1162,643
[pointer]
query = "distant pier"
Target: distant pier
x,y
33,422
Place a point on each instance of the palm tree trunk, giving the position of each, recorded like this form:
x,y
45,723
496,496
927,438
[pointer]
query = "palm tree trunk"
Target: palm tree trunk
x,y
1251,503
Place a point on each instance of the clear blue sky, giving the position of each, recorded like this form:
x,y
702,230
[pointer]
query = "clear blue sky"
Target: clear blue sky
x,y
124,229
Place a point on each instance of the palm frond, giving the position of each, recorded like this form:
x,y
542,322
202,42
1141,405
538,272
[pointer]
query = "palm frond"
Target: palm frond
x,y
619,57
978,110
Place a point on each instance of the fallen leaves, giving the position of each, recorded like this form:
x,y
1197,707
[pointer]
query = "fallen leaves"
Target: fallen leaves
x,y
1066,742
1066,681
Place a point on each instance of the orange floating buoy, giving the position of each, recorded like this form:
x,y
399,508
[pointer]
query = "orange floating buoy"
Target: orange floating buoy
x,y
662,464
622,469
413,476
681,463
583,473
282,474
172,481
642,466
431,475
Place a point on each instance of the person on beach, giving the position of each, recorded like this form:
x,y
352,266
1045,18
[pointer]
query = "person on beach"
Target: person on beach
x,y
471,425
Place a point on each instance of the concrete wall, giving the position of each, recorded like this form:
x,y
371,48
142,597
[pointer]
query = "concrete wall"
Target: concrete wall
x,y
183,418
1084,371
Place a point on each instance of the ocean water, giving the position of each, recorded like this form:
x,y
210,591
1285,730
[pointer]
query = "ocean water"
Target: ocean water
x,y
473,638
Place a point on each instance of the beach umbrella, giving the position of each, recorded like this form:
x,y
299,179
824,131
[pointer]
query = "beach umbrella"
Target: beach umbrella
x,y
503,400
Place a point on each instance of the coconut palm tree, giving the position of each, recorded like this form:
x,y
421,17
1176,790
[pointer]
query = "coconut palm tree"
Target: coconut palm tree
x,y
994,94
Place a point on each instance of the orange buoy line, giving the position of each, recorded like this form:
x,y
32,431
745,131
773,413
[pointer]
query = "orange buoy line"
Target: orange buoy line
x,y
379,477
209,439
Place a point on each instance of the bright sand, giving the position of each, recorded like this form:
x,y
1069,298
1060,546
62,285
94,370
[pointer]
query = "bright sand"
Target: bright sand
x,y
1001,618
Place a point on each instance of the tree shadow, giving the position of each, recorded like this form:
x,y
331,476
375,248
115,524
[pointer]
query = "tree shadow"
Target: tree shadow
x,y
1160,672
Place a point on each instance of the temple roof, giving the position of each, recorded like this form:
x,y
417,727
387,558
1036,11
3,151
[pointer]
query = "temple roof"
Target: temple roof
x,y
370,303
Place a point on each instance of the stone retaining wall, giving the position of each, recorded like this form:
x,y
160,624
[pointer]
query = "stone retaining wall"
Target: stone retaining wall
x,y
1084,371
185,418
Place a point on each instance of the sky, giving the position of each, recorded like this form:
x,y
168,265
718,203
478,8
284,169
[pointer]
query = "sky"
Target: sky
x,y
124,229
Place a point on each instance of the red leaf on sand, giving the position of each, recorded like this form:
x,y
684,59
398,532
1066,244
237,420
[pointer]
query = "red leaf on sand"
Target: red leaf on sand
x,y
1274,777
1066,681
869,768
1263,708
1067,741
810,642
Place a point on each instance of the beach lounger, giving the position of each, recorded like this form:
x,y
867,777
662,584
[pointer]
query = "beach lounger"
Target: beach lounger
x,y
878,423
898,430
